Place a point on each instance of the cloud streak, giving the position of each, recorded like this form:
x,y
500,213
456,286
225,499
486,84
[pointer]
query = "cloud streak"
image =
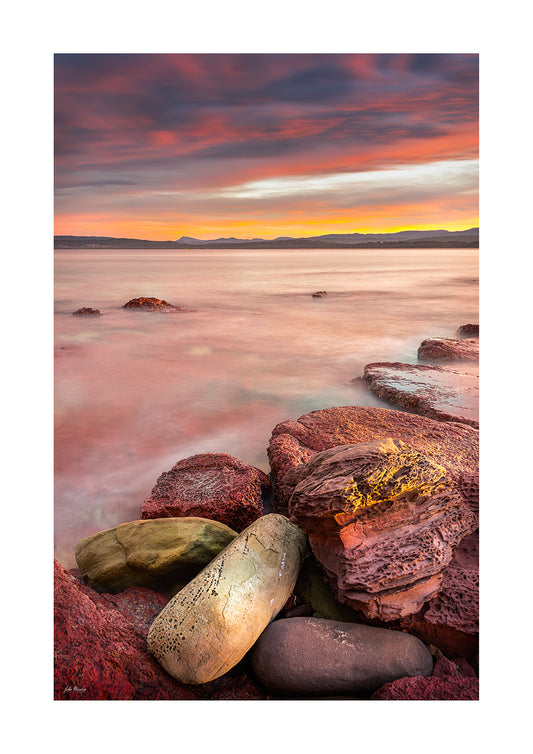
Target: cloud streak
x,y
182,144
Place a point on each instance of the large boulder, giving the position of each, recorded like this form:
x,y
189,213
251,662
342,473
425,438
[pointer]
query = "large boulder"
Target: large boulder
x,y
383,521
454,446
440,393
211,485
100,649
449,349
315,657
162,554
210,625
151,304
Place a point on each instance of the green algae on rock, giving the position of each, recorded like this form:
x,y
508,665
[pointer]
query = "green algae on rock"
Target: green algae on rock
x,y
213,621
163,553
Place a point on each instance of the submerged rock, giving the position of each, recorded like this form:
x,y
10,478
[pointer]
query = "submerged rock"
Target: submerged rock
x,y
210,625
315,657
468,331
383,521
162,554
320,294
441,393
86,311
452,445
449,349
211,485
148,304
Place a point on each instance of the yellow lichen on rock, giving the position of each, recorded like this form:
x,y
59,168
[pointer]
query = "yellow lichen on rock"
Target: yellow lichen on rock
x,y
400,471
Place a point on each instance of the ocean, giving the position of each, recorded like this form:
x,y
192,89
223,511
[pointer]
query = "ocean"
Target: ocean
x,y
137,391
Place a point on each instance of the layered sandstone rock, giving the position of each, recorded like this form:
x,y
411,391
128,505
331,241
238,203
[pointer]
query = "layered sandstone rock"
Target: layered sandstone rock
x,y
454,446
311,656
449,349
151,304
440,393
210,625
161,554
211,485
383,521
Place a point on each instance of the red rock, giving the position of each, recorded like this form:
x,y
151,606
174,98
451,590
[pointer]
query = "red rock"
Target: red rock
x,y
86,311
458,668
449,349
454,445
210,485
383,521
468,331
441,393
150,304
100,649
429,689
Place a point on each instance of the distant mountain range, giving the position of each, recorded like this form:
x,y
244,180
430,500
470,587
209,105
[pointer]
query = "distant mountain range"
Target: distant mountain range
x,y
406,239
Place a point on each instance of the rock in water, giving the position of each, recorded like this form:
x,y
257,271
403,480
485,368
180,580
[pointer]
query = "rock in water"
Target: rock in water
x,y
212,622
152,304
324,657
159,553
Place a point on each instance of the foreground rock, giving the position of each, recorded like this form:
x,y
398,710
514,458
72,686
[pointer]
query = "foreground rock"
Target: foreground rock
x,y
212,622
449,349
160,554
211,485
150,304
441,393
383,521
86,311
100,649
454,446
449,681
311,656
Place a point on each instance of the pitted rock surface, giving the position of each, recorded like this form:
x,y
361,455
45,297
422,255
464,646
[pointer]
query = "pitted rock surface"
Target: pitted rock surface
x,y
383,521
441,393
208,627
162,554
315,657
211,485
449,349
151,304
454,446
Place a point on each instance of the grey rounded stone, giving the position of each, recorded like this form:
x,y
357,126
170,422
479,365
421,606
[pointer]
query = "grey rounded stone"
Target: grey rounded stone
x,y
317,657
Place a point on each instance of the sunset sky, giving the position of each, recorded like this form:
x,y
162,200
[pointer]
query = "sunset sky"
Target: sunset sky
x,y
159,146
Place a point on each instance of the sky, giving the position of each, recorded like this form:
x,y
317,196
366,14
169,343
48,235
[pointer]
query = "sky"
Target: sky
x,y
158,146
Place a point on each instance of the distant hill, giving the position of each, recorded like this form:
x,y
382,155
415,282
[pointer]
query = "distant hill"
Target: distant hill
x,y
405,239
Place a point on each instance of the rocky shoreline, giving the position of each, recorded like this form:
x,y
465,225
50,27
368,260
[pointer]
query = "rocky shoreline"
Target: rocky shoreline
x,y
349,572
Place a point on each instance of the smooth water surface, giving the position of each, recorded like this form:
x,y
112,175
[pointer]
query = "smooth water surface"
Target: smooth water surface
x,y
137,391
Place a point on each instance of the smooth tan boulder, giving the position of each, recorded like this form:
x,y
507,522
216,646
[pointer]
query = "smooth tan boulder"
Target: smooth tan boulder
x,y
213,621
161,553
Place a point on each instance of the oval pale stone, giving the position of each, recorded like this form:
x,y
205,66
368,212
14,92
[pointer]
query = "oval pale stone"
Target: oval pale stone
x,y
213,621
323,657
